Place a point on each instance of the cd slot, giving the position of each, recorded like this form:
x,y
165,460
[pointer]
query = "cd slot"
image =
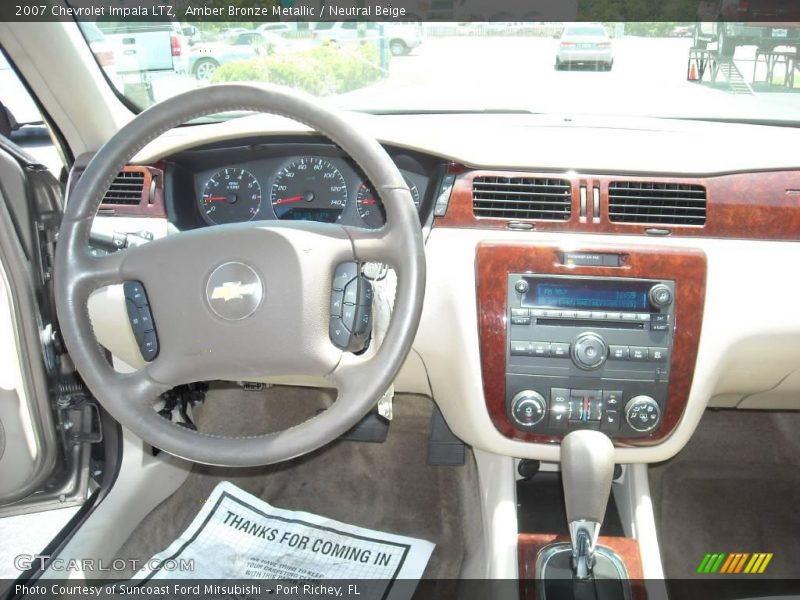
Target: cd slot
x,y
590,323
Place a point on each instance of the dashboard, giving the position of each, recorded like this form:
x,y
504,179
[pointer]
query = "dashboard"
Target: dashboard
x,y
294,181
529,196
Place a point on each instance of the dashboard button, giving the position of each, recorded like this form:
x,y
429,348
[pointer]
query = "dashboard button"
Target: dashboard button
x,y
615,316
520,312
659,322
628,316
639,353
610,421
559,396
584,314
659,354
618,352
612,399
540,348
559,416
521,286
520,348
559,350
598,315
520,320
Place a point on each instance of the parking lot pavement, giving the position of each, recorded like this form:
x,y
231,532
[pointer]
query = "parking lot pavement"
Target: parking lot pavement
x,y
648,78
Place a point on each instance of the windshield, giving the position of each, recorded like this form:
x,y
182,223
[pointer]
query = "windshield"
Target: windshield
x,y
728,71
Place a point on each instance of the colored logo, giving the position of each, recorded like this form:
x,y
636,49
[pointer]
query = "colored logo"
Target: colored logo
x,y
735,563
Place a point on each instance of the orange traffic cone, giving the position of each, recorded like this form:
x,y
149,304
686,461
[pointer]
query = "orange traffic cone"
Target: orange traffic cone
x,y
693,72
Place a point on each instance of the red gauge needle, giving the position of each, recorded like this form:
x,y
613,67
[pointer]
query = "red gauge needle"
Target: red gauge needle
x,y
216,199
369,201
289,199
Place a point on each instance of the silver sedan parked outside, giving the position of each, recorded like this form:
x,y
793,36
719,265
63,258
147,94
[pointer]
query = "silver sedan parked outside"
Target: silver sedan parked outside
x,y
585,44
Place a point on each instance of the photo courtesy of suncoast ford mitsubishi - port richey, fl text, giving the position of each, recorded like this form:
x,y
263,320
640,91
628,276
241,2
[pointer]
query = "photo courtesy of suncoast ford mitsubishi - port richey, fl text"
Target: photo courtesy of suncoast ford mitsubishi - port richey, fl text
x,y
421,299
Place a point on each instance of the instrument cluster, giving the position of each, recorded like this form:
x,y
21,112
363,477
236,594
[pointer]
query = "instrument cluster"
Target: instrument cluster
x,y
321,185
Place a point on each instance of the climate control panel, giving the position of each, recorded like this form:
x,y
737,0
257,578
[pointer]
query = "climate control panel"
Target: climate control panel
x,y
588,353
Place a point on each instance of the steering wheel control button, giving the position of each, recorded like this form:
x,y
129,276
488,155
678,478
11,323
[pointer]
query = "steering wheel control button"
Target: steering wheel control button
x,y
589,351
344,274
141,319
660,295
234,291
351,308
134,291
528,408
642,413
337,301
349,316
149,345
340,335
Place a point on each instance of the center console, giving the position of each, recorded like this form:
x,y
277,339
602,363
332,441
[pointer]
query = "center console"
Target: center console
x,y
600,338
588,353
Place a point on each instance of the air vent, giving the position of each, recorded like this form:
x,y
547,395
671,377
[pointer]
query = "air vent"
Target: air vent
x,y
522,198
654,202
126,189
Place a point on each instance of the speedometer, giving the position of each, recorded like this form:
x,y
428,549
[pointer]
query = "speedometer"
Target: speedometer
x,y
231,196
309,189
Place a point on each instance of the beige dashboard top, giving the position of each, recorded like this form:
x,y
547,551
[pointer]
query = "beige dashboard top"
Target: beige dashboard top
x,y
527,141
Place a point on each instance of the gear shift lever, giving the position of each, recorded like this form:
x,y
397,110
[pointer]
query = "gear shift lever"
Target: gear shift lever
x,y
587,467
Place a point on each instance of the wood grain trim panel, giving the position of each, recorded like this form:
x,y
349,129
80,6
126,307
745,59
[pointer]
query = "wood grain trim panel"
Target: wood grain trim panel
x,y
758,205
530,544
147,207
494,261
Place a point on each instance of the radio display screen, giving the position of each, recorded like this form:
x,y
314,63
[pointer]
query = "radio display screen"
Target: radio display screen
x,y
587,294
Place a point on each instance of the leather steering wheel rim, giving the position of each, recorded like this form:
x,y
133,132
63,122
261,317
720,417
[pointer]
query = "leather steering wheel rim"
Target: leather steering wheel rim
x,y
290,258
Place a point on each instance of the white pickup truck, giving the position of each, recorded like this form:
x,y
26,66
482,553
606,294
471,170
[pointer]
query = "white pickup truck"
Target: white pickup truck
x,y
147,48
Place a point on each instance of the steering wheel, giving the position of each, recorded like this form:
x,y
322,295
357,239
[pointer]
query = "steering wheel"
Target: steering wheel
x,y
289,265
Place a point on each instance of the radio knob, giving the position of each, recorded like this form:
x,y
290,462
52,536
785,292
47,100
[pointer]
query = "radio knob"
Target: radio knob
x,y
528,408
660,295
642,413
589,351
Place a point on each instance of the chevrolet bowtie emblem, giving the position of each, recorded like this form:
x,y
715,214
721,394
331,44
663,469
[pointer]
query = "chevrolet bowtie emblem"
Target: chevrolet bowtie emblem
x,y
234,290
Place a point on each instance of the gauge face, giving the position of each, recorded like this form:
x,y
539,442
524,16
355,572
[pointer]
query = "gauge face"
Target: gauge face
x,y
231,196
370,206
309,189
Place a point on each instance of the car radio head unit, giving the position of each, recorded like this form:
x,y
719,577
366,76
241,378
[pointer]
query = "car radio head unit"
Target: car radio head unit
x,y
588,352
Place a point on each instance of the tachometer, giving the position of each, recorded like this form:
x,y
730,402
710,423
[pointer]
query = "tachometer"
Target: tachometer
x,y
231,196
309,189
370,207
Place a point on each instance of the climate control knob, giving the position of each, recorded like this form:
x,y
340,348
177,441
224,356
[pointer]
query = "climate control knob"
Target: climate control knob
x,y
642,413
589,351
528,408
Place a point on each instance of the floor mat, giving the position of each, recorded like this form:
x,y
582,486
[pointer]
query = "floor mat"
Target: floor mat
x,y
734,488
388,487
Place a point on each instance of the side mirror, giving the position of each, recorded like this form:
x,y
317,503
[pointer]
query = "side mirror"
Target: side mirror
x,y
7,121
